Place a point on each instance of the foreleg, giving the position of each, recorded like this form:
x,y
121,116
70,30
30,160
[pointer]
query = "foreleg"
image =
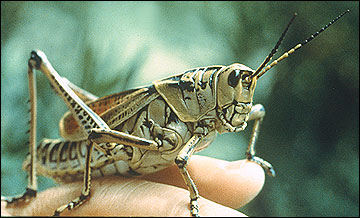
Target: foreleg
x,y
257,114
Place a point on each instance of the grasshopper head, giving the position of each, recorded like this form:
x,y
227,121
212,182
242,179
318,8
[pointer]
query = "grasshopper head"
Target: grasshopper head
x,y
236,84
235,91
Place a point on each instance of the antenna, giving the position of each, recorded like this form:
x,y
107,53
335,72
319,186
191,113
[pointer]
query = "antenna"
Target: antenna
x,y
274,50
286,54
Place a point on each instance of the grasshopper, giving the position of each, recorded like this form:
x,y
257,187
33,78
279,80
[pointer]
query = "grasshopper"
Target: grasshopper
x,y
147,129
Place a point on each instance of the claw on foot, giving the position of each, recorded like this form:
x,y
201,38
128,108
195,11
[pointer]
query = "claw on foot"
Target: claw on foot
x,y
264,164
28,194
74,203
194,208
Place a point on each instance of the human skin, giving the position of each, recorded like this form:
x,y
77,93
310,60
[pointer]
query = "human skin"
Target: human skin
x,y
223,187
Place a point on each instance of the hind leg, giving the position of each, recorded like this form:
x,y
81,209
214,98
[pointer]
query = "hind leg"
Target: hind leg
x,y
31,189
88,120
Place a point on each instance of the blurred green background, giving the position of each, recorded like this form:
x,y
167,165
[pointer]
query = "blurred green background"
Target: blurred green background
x,y
310,133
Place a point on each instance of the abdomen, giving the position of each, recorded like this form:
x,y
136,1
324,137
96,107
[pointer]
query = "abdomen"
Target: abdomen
x,y
64,160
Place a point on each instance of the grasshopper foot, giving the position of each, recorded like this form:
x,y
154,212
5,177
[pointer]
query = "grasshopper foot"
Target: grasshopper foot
x,y
25,197
194,208
74,203
264,164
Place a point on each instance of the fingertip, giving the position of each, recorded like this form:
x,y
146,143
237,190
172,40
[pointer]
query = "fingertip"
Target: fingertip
x,y
249,172
250,179
212,209
233,184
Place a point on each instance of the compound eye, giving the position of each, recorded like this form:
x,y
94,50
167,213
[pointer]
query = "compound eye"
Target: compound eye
x,y
234,78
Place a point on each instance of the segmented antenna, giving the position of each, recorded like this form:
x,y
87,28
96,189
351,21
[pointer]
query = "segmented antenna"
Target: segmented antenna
x,y
286,54
275,49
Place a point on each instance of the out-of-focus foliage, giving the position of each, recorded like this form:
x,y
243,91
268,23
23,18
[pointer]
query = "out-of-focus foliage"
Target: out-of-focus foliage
x,y
310,133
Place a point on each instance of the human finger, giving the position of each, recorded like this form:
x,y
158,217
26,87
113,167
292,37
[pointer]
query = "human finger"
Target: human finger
x,y
116,196
230,183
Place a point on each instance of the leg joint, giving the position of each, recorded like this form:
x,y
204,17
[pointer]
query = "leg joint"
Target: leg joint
x,y
181,162
257,112
35,60
31,192
84,197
